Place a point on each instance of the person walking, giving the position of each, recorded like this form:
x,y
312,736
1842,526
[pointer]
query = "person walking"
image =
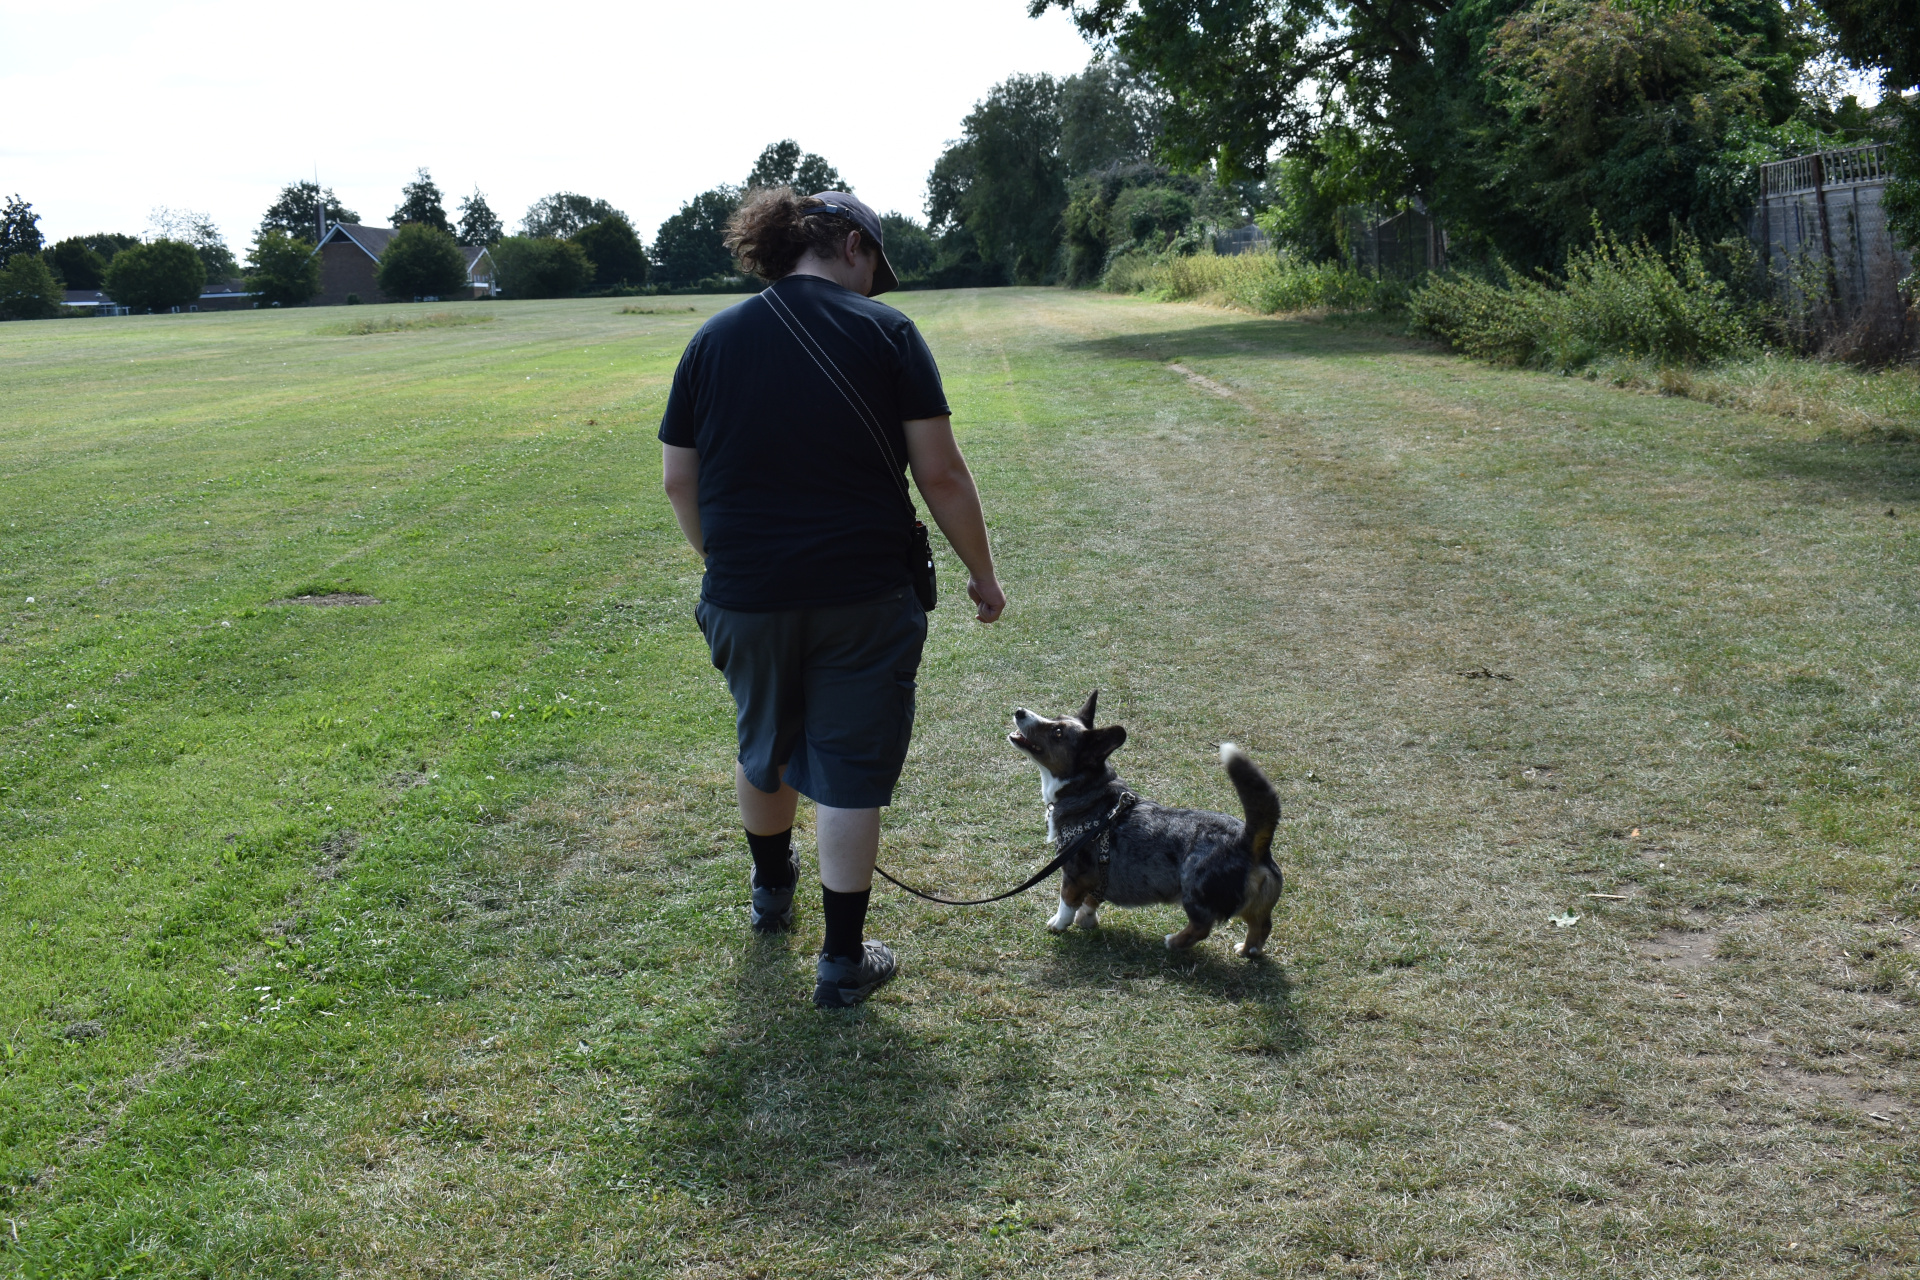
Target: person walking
x,y
790,422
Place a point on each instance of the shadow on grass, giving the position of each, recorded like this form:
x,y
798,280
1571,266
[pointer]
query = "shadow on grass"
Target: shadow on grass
x,y
1254,336
1108,957
841,1114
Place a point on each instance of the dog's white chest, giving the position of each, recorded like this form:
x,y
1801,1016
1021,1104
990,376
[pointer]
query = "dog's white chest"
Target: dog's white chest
x,y
1049,788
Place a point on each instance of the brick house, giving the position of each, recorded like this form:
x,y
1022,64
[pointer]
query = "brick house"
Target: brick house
x,y
349,252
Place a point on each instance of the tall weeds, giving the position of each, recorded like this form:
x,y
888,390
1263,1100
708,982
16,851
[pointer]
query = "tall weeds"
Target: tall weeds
x,y
1262,282
1618,299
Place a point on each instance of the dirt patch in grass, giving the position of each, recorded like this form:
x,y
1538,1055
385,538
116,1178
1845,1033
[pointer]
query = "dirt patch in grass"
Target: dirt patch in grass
x,y
402,324
1682,948
332,600
655,311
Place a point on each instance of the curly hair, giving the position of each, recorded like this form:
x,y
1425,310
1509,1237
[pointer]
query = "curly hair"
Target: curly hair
x,y
771,231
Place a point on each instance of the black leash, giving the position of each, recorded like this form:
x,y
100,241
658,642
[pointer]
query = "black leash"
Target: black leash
x,y
1080,841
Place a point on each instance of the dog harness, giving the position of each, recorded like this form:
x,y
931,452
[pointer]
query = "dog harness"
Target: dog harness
x,y
1069,846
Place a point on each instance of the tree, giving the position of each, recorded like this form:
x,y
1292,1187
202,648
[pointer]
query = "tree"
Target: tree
x,y
156,276
689,247
1124,206
540,267
618,260
909,246
283,269
783,164
82,260
478,223
421,205
1005,179
421,261
563,213
28,289
297,212
1107,117
196,229
1881,35
19,229
1463,103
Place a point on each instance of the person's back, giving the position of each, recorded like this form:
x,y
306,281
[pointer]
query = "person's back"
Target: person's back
x,y
804,503
790,422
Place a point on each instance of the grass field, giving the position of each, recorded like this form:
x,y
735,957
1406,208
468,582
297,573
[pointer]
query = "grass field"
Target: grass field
x,y
406,938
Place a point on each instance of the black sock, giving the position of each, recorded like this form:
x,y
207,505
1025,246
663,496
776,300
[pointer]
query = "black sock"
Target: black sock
x,y
773,858
846,915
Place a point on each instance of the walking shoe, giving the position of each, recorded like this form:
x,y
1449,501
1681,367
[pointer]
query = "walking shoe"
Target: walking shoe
x,y
771,908
845,983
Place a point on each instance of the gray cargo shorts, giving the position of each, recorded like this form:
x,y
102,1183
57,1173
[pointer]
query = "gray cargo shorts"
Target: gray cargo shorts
x,y
826,692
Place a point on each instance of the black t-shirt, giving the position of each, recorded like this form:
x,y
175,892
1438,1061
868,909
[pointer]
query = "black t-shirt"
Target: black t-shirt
x,y
798,506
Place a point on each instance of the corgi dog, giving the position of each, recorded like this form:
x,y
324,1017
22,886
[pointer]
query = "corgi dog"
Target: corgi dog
x,y
1216,867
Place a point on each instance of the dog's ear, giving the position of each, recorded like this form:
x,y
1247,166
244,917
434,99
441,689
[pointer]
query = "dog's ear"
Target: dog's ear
x,y
1086,712
1104,742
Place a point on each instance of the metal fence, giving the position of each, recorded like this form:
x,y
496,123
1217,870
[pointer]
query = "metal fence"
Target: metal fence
x,y
1247,239
1400,244
1824,241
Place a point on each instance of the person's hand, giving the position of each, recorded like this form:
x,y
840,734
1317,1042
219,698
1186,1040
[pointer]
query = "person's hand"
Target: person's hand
x,y
992,601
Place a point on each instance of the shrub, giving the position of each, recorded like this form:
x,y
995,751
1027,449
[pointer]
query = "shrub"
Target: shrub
x,y
538,267
28,289
156,276
421,261
1617,299
1264,282
284,269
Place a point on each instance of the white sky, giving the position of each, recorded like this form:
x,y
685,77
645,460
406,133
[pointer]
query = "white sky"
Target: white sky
x,y
215,105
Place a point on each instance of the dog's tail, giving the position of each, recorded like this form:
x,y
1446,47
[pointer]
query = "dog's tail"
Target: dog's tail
x,y
1257,797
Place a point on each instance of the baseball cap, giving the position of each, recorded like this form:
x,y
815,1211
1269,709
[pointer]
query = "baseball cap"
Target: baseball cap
x,y
856,211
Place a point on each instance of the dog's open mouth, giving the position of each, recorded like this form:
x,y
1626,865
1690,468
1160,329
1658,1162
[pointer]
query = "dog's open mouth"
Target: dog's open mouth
x,y
1019,740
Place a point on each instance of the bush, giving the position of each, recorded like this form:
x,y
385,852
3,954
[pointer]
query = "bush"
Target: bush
x,y
421,261
537,267
28,289
285,270
156,276
1264,282
1618,299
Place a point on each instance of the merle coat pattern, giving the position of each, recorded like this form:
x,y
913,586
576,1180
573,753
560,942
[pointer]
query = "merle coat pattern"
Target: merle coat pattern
x,y
1215,866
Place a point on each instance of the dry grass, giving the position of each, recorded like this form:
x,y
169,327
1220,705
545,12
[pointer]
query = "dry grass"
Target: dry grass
x,y
390,323
1311,541
1881,403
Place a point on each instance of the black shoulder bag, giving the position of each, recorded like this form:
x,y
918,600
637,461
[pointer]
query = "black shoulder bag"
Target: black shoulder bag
x,y
919,545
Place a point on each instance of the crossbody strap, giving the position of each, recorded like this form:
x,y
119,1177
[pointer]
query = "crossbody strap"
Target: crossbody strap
x,y
844,385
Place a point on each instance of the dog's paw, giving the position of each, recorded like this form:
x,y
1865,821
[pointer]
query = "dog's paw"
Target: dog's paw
x,y
1054,925
1087,920
1173,942
1251,953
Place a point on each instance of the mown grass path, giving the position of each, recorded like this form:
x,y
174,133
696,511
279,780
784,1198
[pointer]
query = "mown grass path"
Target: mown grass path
x,y
406,939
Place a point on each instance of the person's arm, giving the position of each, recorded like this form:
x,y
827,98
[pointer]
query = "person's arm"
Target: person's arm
x,y
941,475
681,469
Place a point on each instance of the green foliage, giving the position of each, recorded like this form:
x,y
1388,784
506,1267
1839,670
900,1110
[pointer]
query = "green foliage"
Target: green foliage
x,y
421,204
1901,199
1618,298
19,229
283,269
82,260
910,246
1107,117
1878,33
618,260
421,261
156,276
563,213
479,225
1270,284
689,246
197,229
1005,180
298,210
1121,208
28,288
783,164
540,267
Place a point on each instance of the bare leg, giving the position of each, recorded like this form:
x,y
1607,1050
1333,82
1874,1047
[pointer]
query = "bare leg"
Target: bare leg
x,y
764,813
849,843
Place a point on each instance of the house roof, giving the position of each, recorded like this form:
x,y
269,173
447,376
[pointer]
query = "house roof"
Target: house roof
x,y
372,241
